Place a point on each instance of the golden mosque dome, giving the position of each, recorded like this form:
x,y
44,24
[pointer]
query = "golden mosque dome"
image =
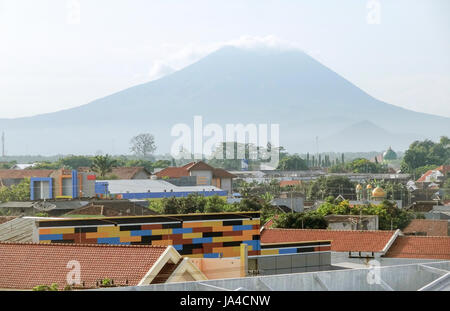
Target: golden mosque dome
x,y
358,187
378,192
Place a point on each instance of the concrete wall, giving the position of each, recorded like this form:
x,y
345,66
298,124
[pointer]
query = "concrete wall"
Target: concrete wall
x,y
67,187
141,175
87,186
41,190
367,223
297,203
218,268
291,263
183,181
203,177
225,184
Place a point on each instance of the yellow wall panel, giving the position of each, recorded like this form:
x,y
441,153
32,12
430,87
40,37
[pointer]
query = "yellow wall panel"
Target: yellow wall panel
x,y
162,243
62,230
250,222
211,223
222,228
120,234
130,239
269,252
161,231
192,235
192,224
96,235
223,239
194,255
108,229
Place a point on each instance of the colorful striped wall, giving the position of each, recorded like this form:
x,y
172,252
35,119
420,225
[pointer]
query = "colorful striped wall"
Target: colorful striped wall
x,y
295,248
194,235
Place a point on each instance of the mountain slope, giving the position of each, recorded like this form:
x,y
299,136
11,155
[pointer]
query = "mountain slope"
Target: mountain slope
x,y
230,85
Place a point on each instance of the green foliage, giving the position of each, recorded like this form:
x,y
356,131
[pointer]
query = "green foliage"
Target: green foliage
x,y
75,162
42,214
358,165
330,186
365,166
103,165
250,204
292,163
389,216
7,165
196,203
423,153
309,220
446,187
215,204
423,169
19,192
106,282
46,166
256,189
394,190
53,287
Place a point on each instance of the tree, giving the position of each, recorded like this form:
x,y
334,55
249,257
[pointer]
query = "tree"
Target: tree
x,y
143,144
215,204
19,192
292,163
330,186
309,220
103,165
75,162
424,153
446,188
361,165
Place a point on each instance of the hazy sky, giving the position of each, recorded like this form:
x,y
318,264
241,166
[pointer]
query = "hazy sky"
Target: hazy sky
x,y
57,54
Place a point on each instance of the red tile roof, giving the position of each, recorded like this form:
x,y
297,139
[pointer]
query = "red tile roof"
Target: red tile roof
x,y
342,240
424,176
21,174
285,183
173,172
121,172
25,265
431,227
218,172
128,172
444,169
426,247
177,172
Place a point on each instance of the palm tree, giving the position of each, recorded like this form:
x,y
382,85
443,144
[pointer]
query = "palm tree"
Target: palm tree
x,y
103,165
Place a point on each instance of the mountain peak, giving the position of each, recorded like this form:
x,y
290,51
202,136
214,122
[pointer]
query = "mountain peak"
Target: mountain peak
x,y
232,85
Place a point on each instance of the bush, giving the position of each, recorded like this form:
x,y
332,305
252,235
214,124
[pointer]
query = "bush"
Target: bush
x,y
215,204
309,220
41,214
40,288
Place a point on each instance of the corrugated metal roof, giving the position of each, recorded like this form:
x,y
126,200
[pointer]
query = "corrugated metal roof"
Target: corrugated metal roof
x,y
17,230
146,185
16,205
